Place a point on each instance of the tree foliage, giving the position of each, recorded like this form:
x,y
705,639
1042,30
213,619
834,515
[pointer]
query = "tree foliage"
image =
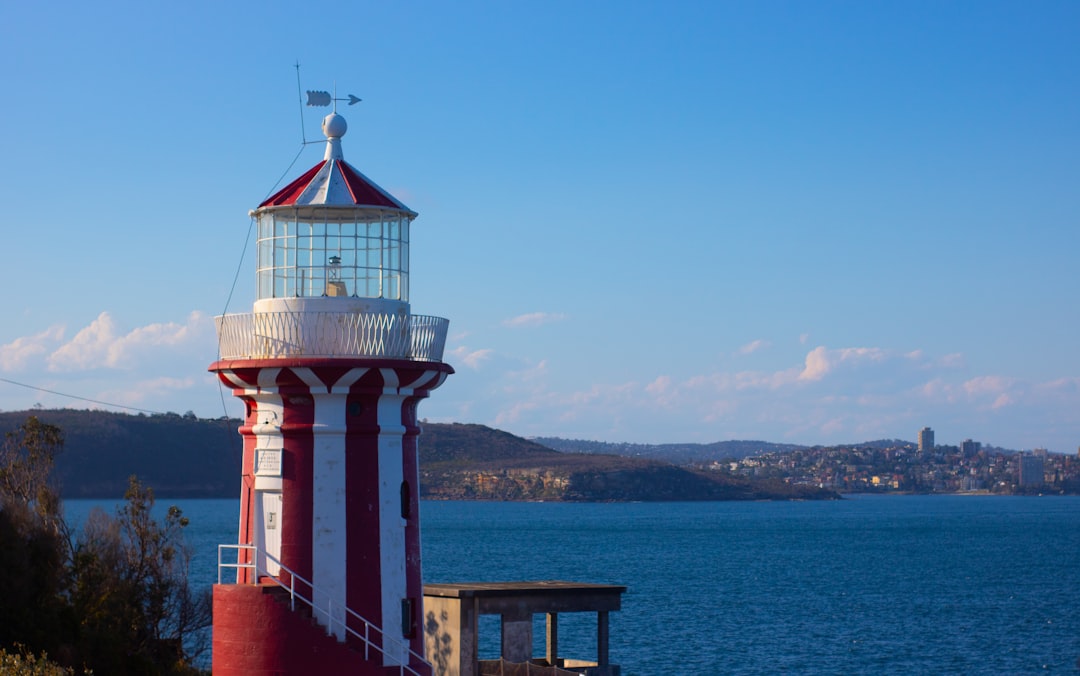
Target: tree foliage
x,y
115,601
33,545
27,457
20,663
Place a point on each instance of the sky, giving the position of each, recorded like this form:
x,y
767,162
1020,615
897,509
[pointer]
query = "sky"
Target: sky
x,y
799,222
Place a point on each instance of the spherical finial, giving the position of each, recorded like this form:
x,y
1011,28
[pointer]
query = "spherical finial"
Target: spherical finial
x,y
334,126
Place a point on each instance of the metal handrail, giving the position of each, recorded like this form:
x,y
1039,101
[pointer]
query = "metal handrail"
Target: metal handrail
x,y
262,335
295,595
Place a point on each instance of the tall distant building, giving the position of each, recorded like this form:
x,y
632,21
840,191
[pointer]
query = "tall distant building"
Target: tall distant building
x,y
969,448
1031,470
926,440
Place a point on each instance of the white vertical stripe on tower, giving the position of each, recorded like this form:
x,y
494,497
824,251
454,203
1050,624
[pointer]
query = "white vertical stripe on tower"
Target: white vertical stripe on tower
x,y
391,524
269,412
329,536
328,540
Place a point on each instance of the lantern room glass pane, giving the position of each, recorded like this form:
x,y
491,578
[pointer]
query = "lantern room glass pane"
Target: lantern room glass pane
x,y
323,254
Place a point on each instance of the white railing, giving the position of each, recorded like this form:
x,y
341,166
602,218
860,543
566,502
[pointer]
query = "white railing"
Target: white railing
x,y
268,335
330,612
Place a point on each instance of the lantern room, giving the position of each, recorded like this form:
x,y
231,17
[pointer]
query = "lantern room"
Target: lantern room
x,y
333,233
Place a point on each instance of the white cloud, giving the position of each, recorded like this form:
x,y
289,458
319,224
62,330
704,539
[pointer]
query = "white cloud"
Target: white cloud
x,y
1001,392
88,349
472,358
939,391
1061,386
817,364
159,366
821,361
661,385
754,346
984,385
952,360
1002,401
17,354
101,345
533,319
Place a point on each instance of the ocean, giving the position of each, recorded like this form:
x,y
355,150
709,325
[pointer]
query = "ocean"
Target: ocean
x,y
869,584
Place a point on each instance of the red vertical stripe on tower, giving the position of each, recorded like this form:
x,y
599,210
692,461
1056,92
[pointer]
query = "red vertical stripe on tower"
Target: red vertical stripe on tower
x,y
411,473
296,473
362,488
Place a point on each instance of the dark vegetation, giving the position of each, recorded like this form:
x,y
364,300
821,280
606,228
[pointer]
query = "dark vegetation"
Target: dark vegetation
x,y
180,456
112,600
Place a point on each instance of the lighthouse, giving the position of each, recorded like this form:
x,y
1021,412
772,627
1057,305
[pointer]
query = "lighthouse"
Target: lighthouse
x,y
330,366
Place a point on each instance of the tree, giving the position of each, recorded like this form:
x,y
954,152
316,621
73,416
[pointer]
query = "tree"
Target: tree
x,y
116,601
131,590
33,540
27,457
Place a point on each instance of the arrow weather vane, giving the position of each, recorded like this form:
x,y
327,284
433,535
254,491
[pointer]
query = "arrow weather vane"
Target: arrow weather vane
x,y
318,98
321,98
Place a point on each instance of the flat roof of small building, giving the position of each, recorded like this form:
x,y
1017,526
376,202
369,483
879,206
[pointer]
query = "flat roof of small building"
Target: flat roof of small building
x,y
545,596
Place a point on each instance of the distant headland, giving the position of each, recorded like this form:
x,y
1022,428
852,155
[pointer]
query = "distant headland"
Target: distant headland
x,y
183,456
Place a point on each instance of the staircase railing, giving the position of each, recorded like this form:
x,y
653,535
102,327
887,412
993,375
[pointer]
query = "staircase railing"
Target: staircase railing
x,y
371,630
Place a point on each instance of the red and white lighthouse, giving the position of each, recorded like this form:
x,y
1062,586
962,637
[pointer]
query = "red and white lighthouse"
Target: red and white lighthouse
x,y
330,365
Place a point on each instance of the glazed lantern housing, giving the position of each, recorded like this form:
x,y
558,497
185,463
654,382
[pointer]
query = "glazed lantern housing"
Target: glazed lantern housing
x,y
332,233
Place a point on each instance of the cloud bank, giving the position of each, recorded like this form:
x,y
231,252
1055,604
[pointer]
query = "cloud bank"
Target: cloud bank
x,y
835,395
155,366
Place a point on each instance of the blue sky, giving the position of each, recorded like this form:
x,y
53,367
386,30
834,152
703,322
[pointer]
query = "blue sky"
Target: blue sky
x,y
800,222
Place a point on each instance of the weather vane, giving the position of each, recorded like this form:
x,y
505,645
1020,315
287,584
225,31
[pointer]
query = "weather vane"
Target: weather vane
x,y
318,97
321,98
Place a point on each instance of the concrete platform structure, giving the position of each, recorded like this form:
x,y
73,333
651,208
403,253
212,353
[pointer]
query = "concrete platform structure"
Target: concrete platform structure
x,y
452,613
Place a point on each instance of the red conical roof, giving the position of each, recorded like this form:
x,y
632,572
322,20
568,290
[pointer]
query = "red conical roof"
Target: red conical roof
x,y
334,182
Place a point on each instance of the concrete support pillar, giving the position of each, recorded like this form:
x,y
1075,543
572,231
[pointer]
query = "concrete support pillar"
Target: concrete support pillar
x,y
602,655
450,634
517,637
552,641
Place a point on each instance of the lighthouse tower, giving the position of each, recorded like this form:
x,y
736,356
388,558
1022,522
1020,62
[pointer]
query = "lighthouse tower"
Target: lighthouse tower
x,y
330,365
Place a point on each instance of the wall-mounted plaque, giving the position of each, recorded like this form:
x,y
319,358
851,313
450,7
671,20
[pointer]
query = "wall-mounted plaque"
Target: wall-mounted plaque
x,y
268,462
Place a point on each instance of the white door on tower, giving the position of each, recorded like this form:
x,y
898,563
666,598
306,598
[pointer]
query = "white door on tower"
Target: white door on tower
x,y
268,531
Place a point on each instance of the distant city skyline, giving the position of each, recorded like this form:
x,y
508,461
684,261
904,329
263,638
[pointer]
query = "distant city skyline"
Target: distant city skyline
x,y
801,223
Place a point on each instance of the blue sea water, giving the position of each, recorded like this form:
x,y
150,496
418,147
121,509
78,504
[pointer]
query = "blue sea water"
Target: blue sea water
x,y
869,584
